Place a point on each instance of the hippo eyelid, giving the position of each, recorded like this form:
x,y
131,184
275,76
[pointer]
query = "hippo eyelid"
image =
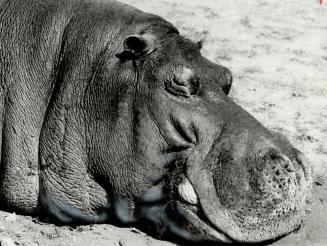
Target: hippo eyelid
x,y
182,86
179,81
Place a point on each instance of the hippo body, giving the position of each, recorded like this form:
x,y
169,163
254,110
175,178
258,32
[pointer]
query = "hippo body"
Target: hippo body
x,y
108,114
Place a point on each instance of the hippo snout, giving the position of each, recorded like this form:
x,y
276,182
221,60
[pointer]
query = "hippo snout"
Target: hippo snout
x,y
252,185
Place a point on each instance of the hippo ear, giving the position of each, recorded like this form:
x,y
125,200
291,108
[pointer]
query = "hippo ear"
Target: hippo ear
x,y
226,80
200,44
136,46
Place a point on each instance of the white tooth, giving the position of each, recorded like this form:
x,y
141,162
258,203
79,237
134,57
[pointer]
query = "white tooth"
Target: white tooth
x,y
186,191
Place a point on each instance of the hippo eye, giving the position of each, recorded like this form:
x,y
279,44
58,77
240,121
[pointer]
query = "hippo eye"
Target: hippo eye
x,y
182,86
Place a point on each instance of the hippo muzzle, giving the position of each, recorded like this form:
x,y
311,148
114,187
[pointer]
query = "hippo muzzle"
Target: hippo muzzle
x,y
251,197
244,183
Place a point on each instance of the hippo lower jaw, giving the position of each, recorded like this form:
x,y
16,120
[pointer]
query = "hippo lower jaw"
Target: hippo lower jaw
x,y
201,225
188,206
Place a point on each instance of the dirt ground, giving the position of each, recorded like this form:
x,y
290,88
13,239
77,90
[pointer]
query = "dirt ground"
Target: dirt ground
x,y
277,51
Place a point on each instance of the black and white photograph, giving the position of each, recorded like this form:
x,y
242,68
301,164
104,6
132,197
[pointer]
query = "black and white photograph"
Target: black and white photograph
x,y
163,122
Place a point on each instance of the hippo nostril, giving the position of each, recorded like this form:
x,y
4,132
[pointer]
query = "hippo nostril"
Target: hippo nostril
x,y
287,164
278,162
289,168
274,156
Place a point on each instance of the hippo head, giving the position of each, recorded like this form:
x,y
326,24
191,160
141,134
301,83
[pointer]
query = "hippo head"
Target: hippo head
x,y
155,138
202,165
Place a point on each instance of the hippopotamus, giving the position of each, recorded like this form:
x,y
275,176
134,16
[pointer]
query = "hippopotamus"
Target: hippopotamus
x,y
109,115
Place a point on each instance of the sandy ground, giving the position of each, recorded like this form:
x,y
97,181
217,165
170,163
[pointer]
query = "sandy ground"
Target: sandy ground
x,y
277,51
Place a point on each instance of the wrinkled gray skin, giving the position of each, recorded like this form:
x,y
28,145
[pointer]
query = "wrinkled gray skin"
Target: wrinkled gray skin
x,y
107,113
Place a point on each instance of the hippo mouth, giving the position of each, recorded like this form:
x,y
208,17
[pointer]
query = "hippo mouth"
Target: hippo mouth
x,y
192,222
190,212
178,212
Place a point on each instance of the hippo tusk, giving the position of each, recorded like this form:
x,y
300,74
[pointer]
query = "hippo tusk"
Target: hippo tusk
x,y
187,193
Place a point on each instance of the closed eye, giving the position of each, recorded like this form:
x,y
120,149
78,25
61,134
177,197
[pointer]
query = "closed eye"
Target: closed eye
x,y
183,85
183,82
